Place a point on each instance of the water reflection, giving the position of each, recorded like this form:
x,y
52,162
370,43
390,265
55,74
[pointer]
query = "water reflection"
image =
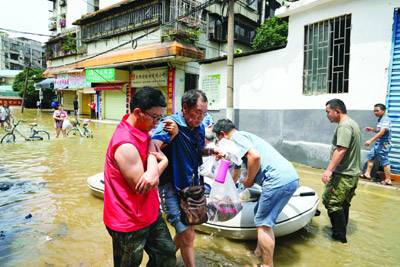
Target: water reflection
x,y
47,179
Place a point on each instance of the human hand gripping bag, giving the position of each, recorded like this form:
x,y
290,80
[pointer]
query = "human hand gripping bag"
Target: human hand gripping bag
x,y
224,202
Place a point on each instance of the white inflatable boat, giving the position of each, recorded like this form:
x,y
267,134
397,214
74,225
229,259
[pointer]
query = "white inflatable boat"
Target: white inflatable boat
x,y
96,184
295,215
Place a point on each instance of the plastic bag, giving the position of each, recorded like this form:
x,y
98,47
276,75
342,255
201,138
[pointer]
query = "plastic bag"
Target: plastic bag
x,y
231,151
209,167
223,202
66,125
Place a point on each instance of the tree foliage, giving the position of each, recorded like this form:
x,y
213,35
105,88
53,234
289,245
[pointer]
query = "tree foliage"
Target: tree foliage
x,y
69,44
272,33
32,95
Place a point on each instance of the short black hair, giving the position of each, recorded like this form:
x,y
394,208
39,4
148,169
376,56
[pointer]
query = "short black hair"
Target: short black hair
x,y
147,98
337,104
380,105
225,125
190,97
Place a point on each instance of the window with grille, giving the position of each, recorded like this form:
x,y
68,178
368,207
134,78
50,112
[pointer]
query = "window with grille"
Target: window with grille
x,y
327,56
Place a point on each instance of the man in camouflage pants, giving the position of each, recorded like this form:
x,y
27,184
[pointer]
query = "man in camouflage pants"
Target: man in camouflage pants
x,y
341,175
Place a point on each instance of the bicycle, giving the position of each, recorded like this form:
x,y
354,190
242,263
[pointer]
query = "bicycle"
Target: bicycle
x,y
35,135
84,132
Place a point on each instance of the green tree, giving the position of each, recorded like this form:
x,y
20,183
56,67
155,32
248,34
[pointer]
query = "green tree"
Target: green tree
x,y
272,33
32,95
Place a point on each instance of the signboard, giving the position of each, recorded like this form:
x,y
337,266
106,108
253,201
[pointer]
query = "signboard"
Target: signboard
x,y
77,80
150,77
211,87
170,91
61,81
100,75
11,101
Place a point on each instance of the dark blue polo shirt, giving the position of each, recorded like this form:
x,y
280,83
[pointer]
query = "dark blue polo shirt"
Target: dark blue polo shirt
x,y
183,152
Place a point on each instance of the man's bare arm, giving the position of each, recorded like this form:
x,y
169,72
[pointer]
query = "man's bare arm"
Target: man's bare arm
x,y
129,163
337,157
253,166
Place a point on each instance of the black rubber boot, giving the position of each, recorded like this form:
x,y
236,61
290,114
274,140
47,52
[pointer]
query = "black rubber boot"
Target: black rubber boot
x,y
338,222
346,210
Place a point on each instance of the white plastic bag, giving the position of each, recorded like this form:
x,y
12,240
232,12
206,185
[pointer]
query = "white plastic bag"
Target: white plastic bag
x,y
231,151
223,202
209,166
66,125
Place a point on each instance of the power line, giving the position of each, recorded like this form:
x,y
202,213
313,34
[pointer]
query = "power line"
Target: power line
x,y
31,33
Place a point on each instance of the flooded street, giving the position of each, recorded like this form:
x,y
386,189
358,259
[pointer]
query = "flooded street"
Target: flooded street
x,y
48,216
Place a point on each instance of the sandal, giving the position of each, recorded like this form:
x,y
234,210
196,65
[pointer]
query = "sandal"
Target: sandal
x,y
365,177
385,182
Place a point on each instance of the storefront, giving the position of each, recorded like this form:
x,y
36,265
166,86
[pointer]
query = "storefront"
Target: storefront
x,y
65,95
110,85
86,96
77,83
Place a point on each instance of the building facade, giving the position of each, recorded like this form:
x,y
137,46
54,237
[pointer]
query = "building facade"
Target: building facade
x,y
281,94
169,38
7,95
18,53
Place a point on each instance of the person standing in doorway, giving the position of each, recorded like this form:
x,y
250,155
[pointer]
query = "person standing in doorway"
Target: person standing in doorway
x,y
382,144
131,175
76,106
92,106
341,175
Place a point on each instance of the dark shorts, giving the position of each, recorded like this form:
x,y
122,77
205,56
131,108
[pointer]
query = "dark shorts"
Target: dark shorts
x,y
154,239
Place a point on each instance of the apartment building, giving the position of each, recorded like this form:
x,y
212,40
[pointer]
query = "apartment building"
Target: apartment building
x,y
18,53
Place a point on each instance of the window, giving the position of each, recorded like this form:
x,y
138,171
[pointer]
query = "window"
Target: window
x,y
142,16
253,4
191,81
244,33
327,56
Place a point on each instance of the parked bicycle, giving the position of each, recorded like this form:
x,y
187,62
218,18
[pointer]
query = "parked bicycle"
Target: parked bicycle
x,y
34,135
76,130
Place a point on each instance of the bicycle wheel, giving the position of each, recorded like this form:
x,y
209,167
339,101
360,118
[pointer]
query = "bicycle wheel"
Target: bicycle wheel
x,y
42,134
73,131
8,138
87,133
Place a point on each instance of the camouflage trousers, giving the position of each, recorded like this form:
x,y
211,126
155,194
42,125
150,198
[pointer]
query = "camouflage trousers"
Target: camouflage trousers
x,y
339,191
154,239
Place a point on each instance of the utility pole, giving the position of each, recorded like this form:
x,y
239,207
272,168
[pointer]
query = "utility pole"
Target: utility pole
x,y
25,87
229,64
262,11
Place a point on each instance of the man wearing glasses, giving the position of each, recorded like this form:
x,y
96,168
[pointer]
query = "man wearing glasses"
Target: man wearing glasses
x,y
131,176
182,138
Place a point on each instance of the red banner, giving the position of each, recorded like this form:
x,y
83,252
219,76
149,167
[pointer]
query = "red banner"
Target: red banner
x,y
170,90
11,101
